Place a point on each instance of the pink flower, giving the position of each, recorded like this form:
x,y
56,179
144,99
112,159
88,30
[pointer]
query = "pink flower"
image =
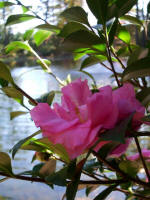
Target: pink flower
x,y
145,153
82,116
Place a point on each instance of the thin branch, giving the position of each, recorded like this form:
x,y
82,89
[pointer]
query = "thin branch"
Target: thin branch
x,y
134,194
142,158
81,182
25,94
115,55
120,172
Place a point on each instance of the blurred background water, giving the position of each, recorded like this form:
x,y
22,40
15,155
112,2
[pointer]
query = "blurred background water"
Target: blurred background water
x,y
35,82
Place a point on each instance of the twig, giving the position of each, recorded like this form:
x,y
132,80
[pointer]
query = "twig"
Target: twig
x,y
142,158
120,172
81,182
134,194
25,94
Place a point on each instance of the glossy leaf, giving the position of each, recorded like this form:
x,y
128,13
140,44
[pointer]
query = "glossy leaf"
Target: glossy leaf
x,y
99,9
17,45
6,4
5,74
131,19
70,28
129,167
75,14
28,34
81,39
21,142
55,148
105,192
137,69
117,134
124,35
13,93
40,36
137,54
49,27
91,60
46,98
16,114
5,163
19,18
58,178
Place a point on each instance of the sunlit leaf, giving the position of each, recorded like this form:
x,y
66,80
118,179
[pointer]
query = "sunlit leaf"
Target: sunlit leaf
x,y
40,36
54,148
124,35
21,142
19,18
28,34
6,4
17,45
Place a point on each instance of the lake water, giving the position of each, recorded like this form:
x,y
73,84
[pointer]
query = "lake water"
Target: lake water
x,y
35,83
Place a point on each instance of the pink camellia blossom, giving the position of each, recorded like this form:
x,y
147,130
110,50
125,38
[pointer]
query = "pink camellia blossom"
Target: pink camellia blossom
x,y
82,116
145,153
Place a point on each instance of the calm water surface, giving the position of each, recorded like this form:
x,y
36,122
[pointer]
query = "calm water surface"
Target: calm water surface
x,y
35,83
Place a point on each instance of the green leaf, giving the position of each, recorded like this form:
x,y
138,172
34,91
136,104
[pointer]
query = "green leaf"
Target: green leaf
x,y
16,114
129,167
99,9
55,148
6,4
131,19
105,193
40,36
58,178
28,34
75,14
17,45
140,68
5,74
46,98
13,93
117,134
119,8
3,82
81,39
21,142
113,31
148,8
144,96
70,28
5,163
91,60
124,35
49,27
90,75
19,18
24,9
137,54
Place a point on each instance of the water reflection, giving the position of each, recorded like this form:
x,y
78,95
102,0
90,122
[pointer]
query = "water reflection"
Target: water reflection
x,y
34,83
